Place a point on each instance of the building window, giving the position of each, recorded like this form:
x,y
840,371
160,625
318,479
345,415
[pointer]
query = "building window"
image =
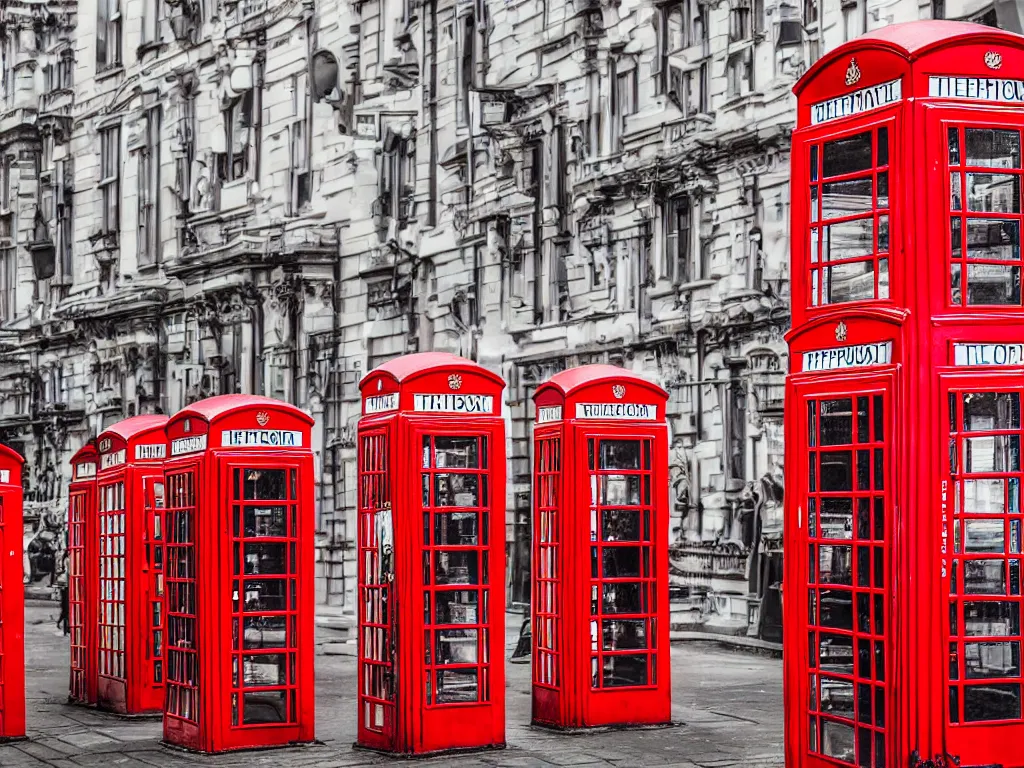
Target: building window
x,y
739,73
849,207
65,222
108,34
8,267
110,179
300,173
238,127
149,191
152,15
854,18
397,178
985,216
938,9
678,241
739,24
810,11
624,104
736,449
682,25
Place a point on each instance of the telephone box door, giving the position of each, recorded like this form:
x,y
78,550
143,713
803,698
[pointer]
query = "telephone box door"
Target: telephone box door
x,y
841,605
12,601
377,681
461,579
981,553
153,658
617,471
264,501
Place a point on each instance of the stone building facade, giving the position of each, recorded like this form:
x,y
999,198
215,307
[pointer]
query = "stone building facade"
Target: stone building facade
x,y
210,196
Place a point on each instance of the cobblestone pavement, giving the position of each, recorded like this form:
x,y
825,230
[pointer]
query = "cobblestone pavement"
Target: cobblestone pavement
x,y
728,705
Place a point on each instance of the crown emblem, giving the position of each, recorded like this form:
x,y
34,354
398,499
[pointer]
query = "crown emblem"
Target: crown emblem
x,y
619,391
455,381
852,73
993,60
841,332
262,418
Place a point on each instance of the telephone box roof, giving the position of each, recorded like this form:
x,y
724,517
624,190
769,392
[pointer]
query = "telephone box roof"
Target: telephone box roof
x,y
6,452
223,405
573,379
86,453
135,426
911,40
409,367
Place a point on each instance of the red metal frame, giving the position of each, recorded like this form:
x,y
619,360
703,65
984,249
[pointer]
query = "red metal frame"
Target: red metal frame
x,y
912,653
240,575
12,601
131,455
83,562
600,548
439,541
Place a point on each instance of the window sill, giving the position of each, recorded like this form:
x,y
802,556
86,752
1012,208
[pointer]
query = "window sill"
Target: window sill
x,y
108,73
695,284
153,46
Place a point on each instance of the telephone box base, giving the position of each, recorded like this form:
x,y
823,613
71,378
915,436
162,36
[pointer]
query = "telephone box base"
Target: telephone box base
x,y
572,730
260,748
432,753
12,739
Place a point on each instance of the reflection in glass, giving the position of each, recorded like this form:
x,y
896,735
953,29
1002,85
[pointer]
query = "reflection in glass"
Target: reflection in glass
x,y
994,701
836,609
993,239
266,521
983,660
624,670
836,423
985,496
265,595
846,198
993,284
847,240
835,564
456,490
265,632
991,618
837,740
993,193
264,707
620,490
456,686
836,697
621,562
620,525
984,536
265,559
455,607
620,454
624,634
456,646
264,669
265,485
455,452
992,147
455,528
991,410
624,598
984,577
837,518
850,281
456,567
835,653
836,473
849,154
995,453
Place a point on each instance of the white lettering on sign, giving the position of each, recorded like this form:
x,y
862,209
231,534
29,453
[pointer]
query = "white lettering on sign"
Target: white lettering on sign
x,y
85,470
104,445
623,411
453,403
5,475
549,414
185,445
260,438
381,403
988,354
977,88
855,356
864,100
114,459
150,452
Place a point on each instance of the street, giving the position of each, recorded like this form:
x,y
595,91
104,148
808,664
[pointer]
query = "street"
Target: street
x,y
727,704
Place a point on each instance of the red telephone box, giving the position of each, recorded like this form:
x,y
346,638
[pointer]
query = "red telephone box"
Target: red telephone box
x,y
431,556
600,551
12,598
129,564
83,564
240,523
904,520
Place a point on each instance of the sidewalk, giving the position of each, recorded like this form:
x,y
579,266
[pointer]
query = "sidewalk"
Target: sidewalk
x,y
728,704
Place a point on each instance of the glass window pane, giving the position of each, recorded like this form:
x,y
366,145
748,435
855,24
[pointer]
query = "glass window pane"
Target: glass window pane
x,y
619,454
456,686
836,518
836,471
836,426
265,485
455,528
456,567
991,618
993,285
264,707
996,239
848,240
983,660
266,559
266,521
992,147
984,537
835,564
993,192
624,634
456,646
624,670
837,741
991,410
846,198
455,606
620,525
456,490
985,577
995,701
954,146
852,281
996,453
264,669
849,154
